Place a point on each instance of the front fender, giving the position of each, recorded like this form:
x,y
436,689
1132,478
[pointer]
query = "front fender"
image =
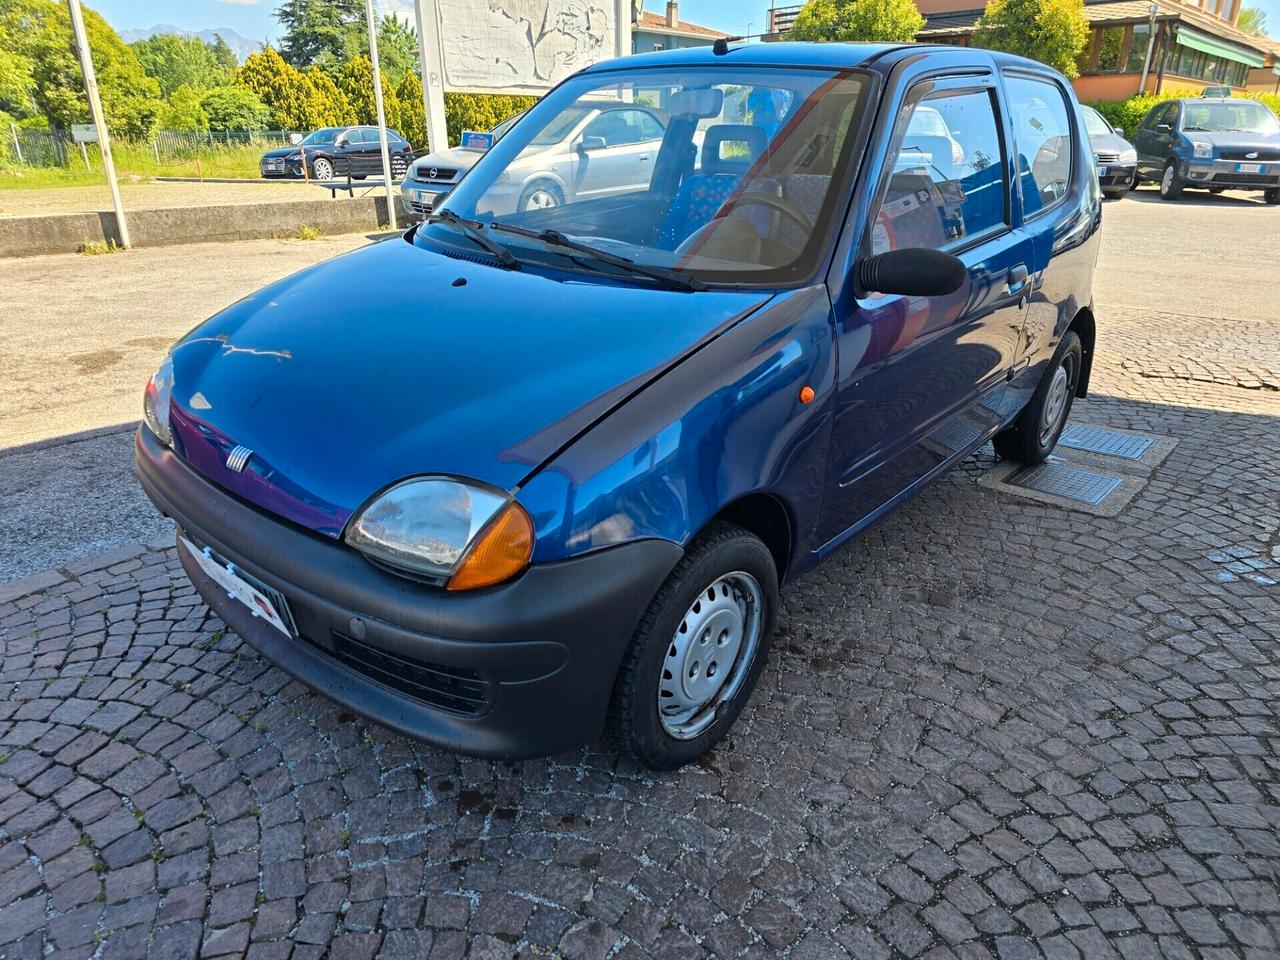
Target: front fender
x,y
725,422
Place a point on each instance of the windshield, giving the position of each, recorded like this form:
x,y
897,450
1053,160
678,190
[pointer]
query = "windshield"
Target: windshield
x,y
1245,116
1094,123
501,129
323,135
726,174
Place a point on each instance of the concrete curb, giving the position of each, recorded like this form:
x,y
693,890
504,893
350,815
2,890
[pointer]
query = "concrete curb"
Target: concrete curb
x,y
67,232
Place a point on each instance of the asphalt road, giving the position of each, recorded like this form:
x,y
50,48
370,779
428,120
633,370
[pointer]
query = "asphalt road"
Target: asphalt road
x,y
82,334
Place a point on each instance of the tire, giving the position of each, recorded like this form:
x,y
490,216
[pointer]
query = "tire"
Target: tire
x,y
322,168
1116,194
541,195
1272,196
359,176
1034,434
721,596
1170,183
1216,190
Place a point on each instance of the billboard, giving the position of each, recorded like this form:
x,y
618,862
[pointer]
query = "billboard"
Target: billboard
x,y
521,46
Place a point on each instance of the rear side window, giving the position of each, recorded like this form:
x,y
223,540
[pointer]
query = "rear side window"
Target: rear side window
x,y
946,174
1042,132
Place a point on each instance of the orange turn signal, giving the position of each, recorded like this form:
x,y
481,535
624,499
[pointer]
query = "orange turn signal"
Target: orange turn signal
x,y
806,394
501,551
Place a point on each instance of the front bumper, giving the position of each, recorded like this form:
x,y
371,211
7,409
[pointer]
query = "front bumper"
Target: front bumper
x,y
1117,175
521,670
420,198
1223,173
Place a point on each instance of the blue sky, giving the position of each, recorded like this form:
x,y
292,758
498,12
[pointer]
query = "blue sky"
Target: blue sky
x,y
252,18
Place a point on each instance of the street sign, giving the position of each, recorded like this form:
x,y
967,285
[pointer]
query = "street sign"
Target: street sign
x,y
84,133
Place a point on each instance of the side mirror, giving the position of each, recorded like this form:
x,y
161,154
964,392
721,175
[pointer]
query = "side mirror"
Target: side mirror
x,y
913,272
1120,131
586,144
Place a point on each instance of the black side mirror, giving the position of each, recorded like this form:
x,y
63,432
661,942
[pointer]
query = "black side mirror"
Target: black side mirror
x,y
912,272
591,143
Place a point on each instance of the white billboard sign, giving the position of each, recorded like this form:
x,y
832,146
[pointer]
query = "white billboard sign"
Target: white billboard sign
x,y
524,46
84,133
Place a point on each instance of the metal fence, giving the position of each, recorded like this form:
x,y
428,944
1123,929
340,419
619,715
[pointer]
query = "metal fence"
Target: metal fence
x,y
42,148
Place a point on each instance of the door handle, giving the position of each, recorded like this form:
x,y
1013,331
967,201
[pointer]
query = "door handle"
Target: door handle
x,y
1016,278
644,158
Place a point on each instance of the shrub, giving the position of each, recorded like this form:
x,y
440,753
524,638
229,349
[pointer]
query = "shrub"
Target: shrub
x,y
234,108
480,111
1051,31
853,20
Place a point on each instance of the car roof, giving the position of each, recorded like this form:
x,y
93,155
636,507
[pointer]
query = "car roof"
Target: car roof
x,y
838,56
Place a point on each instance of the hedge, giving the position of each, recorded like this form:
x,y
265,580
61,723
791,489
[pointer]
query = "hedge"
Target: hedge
x,y
1127,114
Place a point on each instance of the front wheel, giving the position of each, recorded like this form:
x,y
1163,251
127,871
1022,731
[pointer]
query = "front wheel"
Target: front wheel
x,y
1034,434
1272,196
322,169
697,652
1119,194
1170,183
542,195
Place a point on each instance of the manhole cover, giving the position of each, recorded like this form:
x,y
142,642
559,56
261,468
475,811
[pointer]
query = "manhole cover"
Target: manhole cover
x,y
1060,480
1112,443
956,435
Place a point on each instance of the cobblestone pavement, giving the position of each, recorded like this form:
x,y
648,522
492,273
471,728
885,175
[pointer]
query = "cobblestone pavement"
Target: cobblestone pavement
x,y
989,728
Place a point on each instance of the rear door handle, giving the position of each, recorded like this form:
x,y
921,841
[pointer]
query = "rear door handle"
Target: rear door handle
x,y
1017,278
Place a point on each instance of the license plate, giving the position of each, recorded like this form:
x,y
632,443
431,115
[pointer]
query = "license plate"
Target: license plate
x,y
425,196
271,609
275,164
1102,171
1249,168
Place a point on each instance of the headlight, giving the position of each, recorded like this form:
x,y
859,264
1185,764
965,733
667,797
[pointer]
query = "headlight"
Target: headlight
x,y
447,530
155,402
1129,156
1203,151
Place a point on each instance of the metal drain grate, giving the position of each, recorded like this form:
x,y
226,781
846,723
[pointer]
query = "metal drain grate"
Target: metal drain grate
x,y
956,435
1070,483
1112,443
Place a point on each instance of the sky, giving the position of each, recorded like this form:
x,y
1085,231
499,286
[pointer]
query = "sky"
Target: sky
x,y
252,18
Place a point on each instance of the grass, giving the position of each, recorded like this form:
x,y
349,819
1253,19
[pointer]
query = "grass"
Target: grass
x,y
96,248
307,232
137,162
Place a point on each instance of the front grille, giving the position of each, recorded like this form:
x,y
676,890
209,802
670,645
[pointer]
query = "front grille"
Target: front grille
x,y
450,688
1247,179
419,208
443,174
1261,155
1104,157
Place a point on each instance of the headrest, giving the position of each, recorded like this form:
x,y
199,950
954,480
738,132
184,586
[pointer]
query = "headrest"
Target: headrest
x,y
754,139
703,104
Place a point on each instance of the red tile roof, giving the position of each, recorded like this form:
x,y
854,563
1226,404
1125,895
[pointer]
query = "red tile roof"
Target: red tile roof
x,y
658,21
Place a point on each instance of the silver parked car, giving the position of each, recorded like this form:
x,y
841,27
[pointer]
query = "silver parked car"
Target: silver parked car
x,y
431,177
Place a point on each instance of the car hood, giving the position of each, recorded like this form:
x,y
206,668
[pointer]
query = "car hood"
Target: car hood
x,y
453,158
282,152
1236,140
1112,143
395,361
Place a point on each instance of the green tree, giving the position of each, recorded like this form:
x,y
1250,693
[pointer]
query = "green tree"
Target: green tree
x,y
297,100
324,33
234,108
851,20
479,111
223,54
413,118
184,111
1051,31
356,81
397,49
1253,20
177,61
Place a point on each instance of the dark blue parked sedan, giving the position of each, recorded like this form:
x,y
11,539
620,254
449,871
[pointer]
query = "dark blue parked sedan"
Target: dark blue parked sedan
x,y
525,477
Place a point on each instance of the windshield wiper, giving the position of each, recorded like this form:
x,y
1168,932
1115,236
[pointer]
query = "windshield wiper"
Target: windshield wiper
x,y
554,238
475,231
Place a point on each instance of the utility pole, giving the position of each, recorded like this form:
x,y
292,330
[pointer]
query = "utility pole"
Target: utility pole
x,y
382,116
1151,44
95,111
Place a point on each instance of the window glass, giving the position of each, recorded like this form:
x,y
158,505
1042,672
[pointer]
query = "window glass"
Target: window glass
x,y
1094,123
1042,131
946,181
1138,48
1110,47
1084,59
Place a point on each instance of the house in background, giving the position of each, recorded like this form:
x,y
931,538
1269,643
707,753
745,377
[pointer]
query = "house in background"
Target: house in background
x,y
652,31
1153,45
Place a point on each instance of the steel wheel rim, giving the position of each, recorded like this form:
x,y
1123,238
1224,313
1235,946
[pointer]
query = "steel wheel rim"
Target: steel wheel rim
x,y
1166,182
1056,401
323,170
541,200
710,654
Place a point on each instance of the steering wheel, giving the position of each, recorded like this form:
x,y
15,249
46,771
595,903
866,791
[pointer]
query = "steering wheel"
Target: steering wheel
x,y
758,198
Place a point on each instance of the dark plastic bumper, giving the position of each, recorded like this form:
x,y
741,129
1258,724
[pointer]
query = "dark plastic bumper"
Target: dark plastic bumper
x,y
543,650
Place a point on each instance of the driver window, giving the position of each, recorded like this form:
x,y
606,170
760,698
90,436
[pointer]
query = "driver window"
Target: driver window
x,y
1042,131
946,180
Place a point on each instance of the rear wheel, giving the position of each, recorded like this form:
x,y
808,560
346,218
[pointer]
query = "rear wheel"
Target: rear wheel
x,y
1272,196
697,652
1117,194
1170,183
1034,434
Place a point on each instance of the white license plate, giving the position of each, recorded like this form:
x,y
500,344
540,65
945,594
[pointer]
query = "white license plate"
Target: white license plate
x,y
1249,168
1102,171
225,576
425,196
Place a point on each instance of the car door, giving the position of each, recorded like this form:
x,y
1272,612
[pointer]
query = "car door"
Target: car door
x,y
1155,142
615,153
921,378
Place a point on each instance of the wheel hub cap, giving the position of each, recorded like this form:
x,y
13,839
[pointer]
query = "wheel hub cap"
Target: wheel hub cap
x,y
1055,404
710,654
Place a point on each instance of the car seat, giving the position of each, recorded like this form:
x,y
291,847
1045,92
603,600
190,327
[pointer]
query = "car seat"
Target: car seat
x,y
702,194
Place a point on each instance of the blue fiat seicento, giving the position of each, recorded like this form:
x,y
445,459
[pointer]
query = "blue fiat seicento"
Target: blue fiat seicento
x,y
534,472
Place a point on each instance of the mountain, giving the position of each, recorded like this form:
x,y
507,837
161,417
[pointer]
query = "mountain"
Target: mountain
x,y
241,46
